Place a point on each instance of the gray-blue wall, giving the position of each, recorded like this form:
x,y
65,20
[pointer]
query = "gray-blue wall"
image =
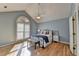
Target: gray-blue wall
x,y
61,25
34,25
8,25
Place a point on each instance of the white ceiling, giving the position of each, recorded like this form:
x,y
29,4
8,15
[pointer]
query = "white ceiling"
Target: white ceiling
x,y
48,11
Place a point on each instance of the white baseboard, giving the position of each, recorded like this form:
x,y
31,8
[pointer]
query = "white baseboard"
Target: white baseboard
x,y
64,42
7,44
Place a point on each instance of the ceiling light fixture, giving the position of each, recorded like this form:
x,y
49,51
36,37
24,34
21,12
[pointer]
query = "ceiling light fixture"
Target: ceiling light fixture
x,y
38,16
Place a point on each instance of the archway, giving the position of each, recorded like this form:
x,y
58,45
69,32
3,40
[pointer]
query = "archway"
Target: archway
x,y
23,28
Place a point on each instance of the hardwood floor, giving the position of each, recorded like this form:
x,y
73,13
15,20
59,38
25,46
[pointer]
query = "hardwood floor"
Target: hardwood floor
x,y
55,49
22,49
5,50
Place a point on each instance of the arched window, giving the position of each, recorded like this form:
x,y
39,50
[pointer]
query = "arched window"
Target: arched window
x,y
23,28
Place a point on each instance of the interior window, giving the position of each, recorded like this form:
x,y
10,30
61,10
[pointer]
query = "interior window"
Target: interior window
x,y
23,28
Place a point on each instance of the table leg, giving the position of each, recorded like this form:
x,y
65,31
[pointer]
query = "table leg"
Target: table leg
x,y
35,45
39,43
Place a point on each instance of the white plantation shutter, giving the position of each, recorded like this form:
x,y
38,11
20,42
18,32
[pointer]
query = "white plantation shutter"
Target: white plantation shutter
x,y
23,28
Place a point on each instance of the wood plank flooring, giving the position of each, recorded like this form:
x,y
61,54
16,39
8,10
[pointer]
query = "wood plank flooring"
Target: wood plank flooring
x,y
5,50
55,49
22,49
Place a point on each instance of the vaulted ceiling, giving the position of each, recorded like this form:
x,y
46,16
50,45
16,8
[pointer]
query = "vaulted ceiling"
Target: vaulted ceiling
x,y
48,11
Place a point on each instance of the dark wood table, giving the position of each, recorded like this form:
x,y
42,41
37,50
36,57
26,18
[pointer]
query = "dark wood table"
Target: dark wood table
x,y
38,42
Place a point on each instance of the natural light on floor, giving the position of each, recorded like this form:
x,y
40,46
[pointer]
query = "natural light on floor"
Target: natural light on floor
x,y
20,50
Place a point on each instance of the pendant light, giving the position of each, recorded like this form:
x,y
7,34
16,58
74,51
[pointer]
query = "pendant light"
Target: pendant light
x,y
38,15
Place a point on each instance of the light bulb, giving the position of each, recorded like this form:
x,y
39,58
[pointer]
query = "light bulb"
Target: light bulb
x,y
38,17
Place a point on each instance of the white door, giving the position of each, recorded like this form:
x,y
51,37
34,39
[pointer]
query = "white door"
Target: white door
x,y
73,34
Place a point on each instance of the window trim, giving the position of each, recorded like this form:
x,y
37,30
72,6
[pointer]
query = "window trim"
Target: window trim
x,y
23,30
